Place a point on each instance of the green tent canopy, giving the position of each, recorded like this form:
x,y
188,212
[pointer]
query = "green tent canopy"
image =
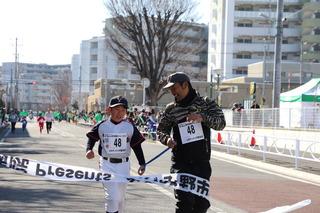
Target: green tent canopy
x,y
308,92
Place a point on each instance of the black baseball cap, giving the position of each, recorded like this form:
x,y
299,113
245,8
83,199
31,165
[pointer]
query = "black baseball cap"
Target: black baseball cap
x,y
175,78
118,101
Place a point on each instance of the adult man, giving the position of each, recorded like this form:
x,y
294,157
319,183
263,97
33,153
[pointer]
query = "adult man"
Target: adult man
x,y
117,136
190,117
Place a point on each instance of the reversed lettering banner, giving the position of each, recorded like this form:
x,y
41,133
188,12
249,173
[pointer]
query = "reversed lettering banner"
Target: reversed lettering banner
x,y
61,172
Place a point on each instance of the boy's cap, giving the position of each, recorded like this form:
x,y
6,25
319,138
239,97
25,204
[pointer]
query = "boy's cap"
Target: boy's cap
x,y
175,78
117,101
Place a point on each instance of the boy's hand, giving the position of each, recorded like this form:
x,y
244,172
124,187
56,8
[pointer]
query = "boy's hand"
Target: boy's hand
x,y
141,169
90,154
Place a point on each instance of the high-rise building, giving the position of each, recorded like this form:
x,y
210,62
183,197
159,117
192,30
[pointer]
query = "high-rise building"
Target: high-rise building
x,y
311,32
242,32
36,86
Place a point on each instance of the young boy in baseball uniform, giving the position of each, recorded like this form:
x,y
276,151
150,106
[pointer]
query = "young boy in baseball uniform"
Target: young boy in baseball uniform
x,y
117,137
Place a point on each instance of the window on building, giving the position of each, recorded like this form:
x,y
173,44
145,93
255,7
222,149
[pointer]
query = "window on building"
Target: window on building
x,y
94,57
93,70
244,8
285,41
284,57
94,45
244,40
240,71
244,24
316,31
243,56
316,15
308,74
316,48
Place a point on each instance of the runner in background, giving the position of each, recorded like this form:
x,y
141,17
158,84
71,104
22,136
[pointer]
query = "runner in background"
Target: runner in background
x,y
49,119
40,121
24,123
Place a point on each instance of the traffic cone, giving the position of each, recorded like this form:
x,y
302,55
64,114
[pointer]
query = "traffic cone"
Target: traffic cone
x,y
253,138
219,138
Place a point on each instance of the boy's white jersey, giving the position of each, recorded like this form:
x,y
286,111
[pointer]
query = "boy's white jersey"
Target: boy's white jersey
x,y
115,139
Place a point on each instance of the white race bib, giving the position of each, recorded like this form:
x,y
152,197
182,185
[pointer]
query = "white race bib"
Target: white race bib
x,y
115,143
190,132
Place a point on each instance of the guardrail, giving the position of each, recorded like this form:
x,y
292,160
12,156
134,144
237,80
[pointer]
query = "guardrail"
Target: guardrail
x,y
286,147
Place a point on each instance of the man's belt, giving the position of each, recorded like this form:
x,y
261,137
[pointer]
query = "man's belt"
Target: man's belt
x,y
117,160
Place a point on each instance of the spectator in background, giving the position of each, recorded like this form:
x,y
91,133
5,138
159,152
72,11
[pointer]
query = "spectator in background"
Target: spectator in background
x,y
24,123
255,105
98,117
13,118
152,124
3,115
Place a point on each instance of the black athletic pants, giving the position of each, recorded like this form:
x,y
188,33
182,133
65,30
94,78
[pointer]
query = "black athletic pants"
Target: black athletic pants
x,y
186,201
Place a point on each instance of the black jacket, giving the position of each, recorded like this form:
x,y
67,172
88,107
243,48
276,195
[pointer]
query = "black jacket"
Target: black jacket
x,y
176,113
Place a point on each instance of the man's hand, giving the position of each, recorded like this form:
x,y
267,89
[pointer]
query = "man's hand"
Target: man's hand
x,y
90,154
141,169
171,143
194,118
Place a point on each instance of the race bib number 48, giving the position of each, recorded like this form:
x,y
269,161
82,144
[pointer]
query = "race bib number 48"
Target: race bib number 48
x,y
115,143
190,132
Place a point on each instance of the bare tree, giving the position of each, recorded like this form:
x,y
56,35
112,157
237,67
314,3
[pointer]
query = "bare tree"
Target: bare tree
x,y
146,34
61,90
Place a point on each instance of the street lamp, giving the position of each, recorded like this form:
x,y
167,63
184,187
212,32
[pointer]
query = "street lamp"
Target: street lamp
x,y
218,73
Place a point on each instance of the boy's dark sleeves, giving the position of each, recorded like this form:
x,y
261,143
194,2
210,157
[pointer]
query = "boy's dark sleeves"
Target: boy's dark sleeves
x,y
139,154
93,137
135,144
137,137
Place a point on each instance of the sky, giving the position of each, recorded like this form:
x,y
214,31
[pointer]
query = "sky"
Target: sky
x,y
50,31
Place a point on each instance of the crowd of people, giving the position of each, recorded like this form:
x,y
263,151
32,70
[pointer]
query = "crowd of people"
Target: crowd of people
x,y
144,119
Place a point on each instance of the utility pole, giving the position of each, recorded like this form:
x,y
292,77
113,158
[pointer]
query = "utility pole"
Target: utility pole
x,y
218,89
11,89
80,103
211,83
264,74
16,74
301,61
277,58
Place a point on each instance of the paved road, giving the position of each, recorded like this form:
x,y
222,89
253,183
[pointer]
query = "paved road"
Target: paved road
x,y
237,185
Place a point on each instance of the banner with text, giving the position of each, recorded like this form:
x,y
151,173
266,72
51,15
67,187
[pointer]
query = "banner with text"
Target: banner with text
x,y
61,172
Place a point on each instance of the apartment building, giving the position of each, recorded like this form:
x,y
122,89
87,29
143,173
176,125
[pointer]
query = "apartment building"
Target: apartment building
x,y
241,32
311,32
97,61
35,86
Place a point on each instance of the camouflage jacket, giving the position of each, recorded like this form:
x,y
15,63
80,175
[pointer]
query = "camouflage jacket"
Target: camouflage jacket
x,y
176,113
